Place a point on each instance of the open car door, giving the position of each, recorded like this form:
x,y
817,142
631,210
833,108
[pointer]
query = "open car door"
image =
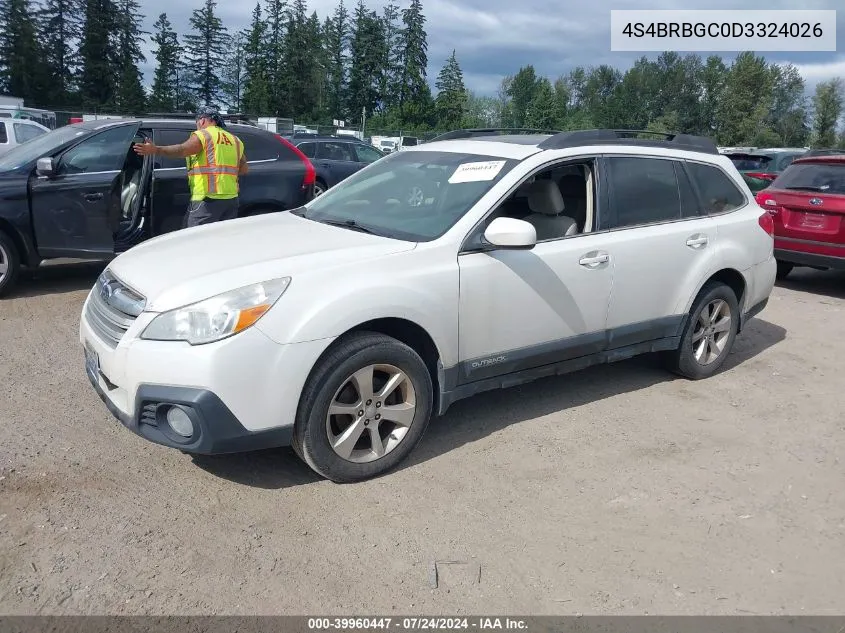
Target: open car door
x,y
74,205
131,220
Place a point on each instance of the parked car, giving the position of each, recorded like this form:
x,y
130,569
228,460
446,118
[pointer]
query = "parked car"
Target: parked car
x,y
824,152
760,167
81,191
436,273
807,202
336,158
14,132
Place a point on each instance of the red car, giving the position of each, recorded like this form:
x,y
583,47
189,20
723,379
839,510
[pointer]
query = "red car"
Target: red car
x,y
807,203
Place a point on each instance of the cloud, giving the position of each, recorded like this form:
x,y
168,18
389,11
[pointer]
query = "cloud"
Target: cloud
x,y
494,38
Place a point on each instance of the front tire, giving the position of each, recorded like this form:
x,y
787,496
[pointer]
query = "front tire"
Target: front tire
x,y
364,408
10,264
709,335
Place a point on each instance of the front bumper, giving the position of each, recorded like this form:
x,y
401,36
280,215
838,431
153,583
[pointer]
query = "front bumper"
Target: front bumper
x,y
240,394
216,429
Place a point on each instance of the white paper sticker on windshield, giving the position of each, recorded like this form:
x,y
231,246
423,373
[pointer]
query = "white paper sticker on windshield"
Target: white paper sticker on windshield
x,y
477,172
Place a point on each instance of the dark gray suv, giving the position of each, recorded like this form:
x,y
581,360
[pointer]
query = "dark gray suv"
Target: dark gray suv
x,y
335,158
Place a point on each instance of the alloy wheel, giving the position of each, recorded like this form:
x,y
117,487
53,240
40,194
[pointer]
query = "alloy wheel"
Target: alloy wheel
x,y
4,263
371,413
318,190
712,332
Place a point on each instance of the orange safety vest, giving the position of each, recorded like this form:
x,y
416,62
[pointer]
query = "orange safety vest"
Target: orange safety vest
x,y
213,173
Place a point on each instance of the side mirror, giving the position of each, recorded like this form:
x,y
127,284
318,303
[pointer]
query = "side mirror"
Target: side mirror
x,y
511,233
44,167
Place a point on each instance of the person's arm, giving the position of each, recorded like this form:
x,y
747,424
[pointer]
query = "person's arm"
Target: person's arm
x,y
189,148
243,166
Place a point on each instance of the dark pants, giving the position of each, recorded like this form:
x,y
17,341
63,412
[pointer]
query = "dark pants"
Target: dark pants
x,y
210,210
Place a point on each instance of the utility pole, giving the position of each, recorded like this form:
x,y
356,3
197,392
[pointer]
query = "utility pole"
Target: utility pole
x,y
364,122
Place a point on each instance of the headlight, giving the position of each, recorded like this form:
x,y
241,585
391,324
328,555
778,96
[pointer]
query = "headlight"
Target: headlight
x,y
218,317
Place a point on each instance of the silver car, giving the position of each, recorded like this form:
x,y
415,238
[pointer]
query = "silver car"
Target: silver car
x,y
14,132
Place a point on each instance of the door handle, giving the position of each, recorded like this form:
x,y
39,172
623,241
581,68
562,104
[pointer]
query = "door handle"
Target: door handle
x,y
593,260
93,197
698,241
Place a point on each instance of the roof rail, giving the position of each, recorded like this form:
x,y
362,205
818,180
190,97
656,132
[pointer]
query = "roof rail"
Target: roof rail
x,y
491,131
687,142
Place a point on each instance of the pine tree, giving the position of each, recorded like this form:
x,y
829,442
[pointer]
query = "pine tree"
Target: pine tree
x,y
521,91
336,37
163,97
827,108
130,96
234,72
414,91
206,52
60,25
392,63
274,52
297,65
256,97
541,110
22,61
366,52
451,100
98,54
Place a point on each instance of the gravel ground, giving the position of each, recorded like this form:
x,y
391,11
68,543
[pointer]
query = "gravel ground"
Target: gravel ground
x,y
617,490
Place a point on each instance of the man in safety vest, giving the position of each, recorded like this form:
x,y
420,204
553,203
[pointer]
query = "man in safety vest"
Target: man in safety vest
x,y
215,160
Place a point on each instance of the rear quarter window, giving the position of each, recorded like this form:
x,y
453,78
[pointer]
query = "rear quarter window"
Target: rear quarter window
x,y
717,191
4,135
820,177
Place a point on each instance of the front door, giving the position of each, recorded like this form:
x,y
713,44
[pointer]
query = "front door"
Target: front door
x,y
525,309
660,247
337,160
74,211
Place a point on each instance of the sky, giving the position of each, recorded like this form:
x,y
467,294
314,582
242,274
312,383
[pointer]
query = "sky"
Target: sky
x,y
492,40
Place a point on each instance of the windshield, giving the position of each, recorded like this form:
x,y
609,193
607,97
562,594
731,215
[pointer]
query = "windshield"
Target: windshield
x,y
413,195
821,177
744,162
38,147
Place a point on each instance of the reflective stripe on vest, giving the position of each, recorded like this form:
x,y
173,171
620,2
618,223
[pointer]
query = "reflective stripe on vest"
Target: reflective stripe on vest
x,y
213,172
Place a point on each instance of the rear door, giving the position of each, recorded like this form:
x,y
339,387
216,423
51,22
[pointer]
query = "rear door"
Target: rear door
x,y
170,193
660,246
276,173
74,210
811,197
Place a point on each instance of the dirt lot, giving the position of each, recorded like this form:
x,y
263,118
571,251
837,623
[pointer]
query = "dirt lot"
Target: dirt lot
x,y
617,490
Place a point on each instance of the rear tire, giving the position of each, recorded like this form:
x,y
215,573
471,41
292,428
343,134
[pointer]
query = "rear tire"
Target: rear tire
x,y
382,396
709,334
10,264
784,268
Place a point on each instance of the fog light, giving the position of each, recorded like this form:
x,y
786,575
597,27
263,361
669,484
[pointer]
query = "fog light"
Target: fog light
x,y
180,422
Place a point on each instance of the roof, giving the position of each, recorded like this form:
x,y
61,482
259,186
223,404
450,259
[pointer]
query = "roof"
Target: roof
x,y
188,124
547,140
824,159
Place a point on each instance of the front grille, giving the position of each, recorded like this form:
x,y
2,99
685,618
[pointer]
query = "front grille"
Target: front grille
x,y
112,308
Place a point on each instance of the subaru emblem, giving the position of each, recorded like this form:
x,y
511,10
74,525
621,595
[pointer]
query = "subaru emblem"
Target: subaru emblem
x,y
816,201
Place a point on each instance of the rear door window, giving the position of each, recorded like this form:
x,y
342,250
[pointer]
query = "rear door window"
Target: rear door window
x,y
170,137
819,177
336,151
718,192
309,149
643,191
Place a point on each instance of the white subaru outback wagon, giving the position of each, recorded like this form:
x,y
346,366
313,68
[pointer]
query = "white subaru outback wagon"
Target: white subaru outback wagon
x,y
477,261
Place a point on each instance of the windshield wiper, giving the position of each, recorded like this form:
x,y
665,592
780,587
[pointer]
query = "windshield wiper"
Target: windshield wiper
x,y
349,224
808,188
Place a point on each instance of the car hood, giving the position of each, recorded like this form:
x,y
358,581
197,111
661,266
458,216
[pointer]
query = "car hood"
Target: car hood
x,y
190,265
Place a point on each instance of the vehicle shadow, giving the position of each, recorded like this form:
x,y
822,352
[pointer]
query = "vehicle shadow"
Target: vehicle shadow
x,y
830,283
475,418
57,278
